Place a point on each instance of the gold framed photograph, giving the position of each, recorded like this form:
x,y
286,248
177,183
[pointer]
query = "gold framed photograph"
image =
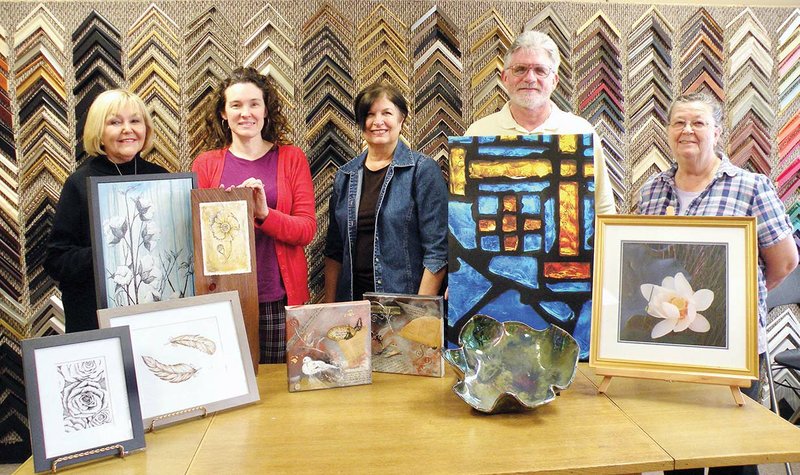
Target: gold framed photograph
x,y
675,298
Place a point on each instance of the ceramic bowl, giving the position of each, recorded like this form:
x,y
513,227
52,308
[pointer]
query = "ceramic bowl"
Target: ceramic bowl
x,y
507,367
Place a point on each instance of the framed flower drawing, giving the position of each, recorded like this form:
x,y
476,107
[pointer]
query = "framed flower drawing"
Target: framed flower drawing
x,y
675,298
225,240
83,401
142,237
191,355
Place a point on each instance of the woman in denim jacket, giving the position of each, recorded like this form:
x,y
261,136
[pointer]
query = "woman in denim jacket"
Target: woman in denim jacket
x,y
388,210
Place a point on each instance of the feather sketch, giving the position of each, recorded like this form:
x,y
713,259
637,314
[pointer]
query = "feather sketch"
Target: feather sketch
x,y
197,342
173,373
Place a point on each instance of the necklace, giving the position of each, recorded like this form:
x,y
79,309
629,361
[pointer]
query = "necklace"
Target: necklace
x,y
120,171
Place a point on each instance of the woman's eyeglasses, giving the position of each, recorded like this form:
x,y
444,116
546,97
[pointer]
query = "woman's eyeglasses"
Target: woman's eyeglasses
x,y
694,125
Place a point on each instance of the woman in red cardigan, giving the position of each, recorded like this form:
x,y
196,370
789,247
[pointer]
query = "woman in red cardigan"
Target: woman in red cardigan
x,y
248,135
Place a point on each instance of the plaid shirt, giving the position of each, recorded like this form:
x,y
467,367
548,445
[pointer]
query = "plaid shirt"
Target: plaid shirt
x,y
732,192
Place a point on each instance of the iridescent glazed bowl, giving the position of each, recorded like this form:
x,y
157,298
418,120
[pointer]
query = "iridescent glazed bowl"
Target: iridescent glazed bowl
x,y
510,367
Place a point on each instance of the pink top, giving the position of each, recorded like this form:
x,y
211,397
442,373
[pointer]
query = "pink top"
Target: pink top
x,y
292,223
265,168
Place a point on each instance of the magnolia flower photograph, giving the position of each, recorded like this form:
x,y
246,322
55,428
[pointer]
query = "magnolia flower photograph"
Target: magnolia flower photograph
x,y
674,293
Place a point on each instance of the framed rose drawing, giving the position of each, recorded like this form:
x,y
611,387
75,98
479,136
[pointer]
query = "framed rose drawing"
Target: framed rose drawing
x,y
675,297
82,397
191,355
142,238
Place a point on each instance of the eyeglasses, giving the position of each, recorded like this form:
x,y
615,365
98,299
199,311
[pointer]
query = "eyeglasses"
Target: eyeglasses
x,y
540,70
694,125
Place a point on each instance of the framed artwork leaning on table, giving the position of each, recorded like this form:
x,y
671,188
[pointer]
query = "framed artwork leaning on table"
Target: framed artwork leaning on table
x,y
675,298
83,401
191,355
328,345
407,333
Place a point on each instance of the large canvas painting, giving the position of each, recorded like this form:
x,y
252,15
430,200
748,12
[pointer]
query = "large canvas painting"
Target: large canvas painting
x,y
142,238
521,231
407,333
328,345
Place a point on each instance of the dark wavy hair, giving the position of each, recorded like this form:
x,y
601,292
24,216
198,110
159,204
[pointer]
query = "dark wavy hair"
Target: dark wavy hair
x,y
276,129
372,93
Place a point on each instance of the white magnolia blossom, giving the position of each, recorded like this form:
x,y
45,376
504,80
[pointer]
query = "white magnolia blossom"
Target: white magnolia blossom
x,y
678,305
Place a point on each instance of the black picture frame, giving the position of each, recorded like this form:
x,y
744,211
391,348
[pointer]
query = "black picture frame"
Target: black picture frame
x,y
82,397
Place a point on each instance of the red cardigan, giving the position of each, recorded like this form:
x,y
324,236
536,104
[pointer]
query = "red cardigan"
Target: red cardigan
x,y
292,223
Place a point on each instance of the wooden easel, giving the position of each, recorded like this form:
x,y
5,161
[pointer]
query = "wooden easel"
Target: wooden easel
x,y
736,391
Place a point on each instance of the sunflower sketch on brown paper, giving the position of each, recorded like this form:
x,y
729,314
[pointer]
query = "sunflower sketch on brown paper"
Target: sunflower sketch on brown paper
x,y
225,238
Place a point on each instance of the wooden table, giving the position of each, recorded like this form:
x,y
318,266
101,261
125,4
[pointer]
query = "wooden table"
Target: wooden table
x,y
401,424
700,426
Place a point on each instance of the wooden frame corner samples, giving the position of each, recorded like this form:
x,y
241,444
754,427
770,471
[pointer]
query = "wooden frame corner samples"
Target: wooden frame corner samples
x,y
675,298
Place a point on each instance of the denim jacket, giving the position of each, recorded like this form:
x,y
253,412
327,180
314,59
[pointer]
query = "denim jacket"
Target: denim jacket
x,y
410,222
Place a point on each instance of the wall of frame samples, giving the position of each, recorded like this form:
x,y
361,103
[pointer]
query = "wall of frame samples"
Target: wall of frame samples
x,y
622,64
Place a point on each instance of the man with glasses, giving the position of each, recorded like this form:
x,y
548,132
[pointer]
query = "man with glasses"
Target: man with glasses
x,y
530,77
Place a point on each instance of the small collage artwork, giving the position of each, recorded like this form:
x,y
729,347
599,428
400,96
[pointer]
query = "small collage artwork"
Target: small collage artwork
x,y
340,344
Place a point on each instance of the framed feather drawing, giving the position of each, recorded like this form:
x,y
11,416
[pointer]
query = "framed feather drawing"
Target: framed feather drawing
x,y
191,355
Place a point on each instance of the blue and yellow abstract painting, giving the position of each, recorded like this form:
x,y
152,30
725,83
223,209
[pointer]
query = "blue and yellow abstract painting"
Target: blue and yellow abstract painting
x,y
521,231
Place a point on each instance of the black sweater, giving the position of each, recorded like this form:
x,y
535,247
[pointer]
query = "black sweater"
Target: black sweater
x,y
69,249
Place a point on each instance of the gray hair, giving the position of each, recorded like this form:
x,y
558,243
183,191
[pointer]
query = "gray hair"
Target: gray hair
x,y
534,40
703,98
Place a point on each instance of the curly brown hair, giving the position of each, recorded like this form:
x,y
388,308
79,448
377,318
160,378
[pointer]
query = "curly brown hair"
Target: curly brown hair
x,y
276,129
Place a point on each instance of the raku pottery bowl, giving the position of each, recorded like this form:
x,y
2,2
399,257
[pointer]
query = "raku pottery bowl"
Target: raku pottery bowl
x,y
508,367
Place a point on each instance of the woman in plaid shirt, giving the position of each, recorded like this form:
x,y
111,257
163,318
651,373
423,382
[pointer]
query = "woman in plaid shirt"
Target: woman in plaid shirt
x,y
703,181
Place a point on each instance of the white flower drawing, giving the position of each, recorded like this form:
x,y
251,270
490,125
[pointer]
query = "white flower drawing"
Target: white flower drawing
x,y
123,275
678,305
145,274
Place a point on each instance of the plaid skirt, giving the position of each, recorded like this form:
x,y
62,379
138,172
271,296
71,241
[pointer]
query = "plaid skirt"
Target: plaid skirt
x,y
272,331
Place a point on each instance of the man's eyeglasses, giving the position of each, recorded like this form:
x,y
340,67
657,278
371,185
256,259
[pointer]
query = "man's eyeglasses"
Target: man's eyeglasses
x,y
694,125
540,70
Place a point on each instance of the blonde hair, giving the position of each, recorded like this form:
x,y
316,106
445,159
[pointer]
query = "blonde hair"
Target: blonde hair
x,y
105,105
